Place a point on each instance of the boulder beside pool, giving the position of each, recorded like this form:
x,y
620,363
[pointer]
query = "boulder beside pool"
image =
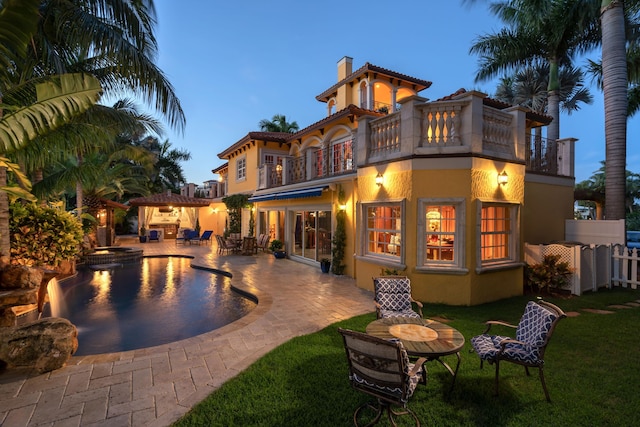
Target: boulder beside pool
x,y
45,345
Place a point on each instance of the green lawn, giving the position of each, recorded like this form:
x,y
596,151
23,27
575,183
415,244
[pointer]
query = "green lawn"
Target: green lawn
x,y
591,371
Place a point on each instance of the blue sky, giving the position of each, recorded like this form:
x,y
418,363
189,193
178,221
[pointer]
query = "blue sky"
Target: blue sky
x,y
235,63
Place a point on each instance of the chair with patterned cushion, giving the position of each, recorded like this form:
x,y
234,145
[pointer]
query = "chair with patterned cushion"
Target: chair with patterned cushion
x,y
392,297
527,349
381,368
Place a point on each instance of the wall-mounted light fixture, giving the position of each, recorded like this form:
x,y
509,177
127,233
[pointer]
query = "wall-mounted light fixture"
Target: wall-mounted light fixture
x,y
503,178
379,180
342,206
220,178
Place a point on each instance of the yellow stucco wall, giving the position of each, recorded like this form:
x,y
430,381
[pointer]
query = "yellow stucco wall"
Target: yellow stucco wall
x,y
468,179
212,217
548,204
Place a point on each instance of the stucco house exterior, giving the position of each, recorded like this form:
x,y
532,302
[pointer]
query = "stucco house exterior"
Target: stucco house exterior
x,y
445,191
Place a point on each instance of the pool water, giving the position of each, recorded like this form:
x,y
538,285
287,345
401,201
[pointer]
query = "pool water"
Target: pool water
x,y
138,305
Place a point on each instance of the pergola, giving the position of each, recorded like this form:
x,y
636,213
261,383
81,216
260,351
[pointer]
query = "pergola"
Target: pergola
x,y
168,212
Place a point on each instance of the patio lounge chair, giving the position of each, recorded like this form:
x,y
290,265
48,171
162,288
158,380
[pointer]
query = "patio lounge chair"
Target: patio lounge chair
x,y
206,237
392,297
182,236
527,349
381,368
222,244
154,235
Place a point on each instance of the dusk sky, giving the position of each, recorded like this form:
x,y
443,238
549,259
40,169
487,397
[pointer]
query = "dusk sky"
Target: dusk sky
x,y
235,63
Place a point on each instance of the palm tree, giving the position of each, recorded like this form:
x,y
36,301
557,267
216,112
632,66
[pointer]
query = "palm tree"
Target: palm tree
x,y
551,31
278,123
167,171
614,84
528,87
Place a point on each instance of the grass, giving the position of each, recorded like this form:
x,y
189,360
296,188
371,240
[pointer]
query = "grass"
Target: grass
x,y
591,373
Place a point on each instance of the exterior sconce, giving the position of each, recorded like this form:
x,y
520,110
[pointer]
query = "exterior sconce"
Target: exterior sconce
x,y
379,180
342,207
220,178
503,178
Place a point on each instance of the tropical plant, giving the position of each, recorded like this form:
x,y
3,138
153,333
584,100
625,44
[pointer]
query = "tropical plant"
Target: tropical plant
x,y
42,235
339,240
235,203
276,245
278,123
548,274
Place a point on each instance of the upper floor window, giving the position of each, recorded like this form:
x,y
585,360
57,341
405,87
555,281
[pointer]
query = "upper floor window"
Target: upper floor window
x,y
498,223
241,169
440,225
383,233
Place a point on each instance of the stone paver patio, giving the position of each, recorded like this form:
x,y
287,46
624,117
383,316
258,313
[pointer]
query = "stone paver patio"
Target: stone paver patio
x,y
156,386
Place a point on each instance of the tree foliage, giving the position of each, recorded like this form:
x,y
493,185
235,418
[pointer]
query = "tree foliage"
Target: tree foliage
x,y
42,235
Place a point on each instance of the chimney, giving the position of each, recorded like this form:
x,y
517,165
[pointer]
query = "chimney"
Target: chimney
x,y
344,67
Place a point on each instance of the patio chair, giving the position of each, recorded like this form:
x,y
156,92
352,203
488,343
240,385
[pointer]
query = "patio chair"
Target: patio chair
x,y
154,235
222,244
381,368
206,237
527,349
181,237
392,297
263,242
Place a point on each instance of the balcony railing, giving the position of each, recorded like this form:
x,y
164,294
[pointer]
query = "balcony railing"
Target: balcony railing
x,y
296,170
385,135
269,175
542,154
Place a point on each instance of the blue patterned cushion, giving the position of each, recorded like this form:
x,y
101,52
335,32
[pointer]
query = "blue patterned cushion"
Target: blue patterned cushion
x,y
394,296
533,329
397,392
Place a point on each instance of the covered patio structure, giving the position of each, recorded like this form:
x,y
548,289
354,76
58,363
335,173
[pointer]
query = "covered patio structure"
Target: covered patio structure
x,y
168,213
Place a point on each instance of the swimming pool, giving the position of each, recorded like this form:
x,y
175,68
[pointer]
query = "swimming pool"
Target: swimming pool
x,y
153,302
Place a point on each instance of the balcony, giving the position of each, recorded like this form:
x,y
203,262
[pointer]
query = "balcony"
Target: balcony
x,y
463,124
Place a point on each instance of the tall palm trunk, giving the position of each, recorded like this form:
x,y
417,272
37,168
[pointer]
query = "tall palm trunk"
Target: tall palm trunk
x,y
553,101
614,76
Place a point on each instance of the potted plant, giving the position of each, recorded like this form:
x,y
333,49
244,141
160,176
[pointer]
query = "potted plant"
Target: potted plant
x,y
276,247
325,265
143,234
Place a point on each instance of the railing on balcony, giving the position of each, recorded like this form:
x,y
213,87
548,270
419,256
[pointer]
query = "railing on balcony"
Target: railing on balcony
x,y
542,154
334,160
296,170
440,124
497,131
269,175
385,135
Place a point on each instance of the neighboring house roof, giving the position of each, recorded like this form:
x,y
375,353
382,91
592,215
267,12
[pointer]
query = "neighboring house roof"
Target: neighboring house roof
x,y
403,80
169,199
541,119
254,136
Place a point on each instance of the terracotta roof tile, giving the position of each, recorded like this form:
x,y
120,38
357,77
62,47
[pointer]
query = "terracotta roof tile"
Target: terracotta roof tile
x,y
169,199
368,67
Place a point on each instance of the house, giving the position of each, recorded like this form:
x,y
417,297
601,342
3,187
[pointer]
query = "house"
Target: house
x,y
445,191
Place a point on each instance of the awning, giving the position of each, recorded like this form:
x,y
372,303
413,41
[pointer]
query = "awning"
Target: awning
x,y
292,194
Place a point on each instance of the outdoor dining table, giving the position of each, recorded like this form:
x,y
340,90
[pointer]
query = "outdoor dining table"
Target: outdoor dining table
x,y
422,338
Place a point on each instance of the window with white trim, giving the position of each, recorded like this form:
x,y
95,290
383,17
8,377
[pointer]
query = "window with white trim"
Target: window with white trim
x,y
241,169
383,233
440,223
498,226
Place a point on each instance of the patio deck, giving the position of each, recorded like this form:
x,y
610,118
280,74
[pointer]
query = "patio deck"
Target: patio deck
x,y
155,386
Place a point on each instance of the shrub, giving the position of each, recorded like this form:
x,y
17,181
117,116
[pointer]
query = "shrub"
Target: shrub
x,y
550,273
43,236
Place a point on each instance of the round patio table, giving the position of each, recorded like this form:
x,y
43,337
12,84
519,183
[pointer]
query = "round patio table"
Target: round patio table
x,y
422,338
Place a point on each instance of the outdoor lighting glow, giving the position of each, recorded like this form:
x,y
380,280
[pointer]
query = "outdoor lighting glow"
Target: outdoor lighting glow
x,y
342,207
379,180
220,178
503,178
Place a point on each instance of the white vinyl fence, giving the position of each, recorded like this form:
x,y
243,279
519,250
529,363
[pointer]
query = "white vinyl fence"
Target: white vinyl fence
x,y
593,266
